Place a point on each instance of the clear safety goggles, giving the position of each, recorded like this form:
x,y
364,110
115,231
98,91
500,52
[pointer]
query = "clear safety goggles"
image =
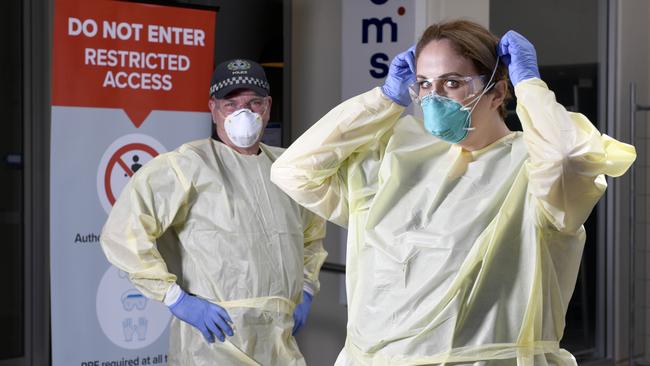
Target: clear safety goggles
x,y
460,88
255,104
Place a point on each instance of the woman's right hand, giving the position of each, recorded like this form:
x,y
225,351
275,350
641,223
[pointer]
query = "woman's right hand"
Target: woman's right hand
x,y
401,74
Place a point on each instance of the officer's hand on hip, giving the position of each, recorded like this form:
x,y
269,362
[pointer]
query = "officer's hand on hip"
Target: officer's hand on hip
x,y
210,319
301,312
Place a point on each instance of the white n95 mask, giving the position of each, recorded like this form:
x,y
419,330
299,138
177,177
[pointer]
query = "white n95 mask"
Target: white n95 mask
x,y
243,127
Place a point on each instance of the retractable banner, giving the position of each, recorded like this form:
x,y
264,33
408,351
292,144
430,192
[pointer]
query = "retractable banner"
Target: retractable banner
x,y
129,81
373,32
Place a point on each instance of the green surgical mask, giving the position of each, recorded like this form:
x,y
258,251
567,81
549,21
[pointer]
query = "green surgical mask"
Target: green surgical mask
x,y
446,118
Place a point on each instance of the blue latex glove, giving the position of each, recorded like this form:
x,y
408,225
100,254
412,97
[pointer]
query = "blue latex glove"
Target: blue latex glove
x,y
519,55
301,312
401,74
210,319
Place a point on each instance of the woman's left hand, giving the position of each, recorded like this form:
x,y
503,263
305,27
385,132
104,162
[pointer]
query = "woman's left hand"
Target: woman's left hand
x,y
519,55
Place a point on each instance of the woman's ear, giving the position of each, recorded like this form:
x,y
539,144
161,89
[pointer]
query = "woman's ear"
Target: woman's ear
x,y
499,92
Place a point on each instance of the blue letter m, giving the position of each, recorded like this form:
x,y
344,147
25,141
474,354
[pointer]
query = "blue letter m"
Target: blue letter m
x,y
379,26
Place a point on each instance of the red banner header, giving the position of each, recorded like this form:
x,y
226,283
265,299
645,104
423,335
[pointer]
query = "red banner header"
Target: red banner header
x,y
137,57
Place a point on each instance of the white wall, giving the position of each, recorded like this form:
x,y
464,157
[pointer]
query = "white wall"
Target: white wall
x,y
440,10
315,89
315,61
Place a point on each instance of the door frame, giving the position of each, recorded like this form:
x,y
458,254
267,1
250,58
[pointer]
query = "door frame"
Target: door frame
x,y
37,44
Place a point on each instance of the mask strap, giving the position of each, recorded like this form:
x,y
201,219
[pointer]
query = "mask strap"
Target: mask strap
x,y
475,101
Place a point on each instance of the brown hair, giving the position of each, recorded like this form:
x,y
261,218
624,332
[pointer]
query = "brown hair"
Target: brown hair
x,y
472,41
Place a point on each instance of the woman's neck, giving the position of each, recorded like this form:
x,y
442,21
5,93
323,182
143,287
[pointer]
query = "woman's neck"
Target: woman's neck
x,y
485,133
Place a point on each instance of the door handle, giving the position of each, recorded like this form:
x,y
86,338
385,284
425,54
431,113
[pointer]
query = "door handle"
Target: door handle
x,y
634,108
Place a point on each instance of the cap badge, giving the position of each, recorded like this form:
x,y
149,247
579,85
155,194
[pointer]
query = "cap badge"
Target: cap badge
x,y
236,65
